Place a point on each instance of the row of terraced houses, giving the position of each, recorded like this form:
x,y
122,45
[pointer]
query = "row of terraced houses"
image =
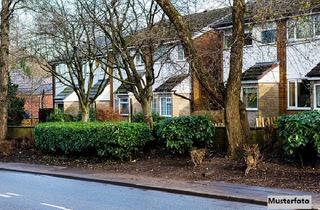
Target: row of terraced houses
x,y
281,72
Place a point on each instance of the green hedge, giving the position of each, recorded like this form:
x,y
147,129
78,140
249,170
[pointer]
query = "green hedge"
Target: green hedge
x,y
116,140
180,134
300,133
139,117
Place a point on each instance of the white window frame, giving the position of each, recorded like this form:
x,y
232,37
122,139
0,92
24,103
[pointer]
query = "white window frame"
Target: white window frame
x,y
122,96
251,86
315,96
160,106
296,81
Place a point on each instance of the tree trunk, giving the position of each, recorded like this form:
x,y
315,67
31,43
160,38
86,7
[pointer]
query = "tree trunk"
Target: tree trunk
x,y
147,112
235,130
4,68
85,113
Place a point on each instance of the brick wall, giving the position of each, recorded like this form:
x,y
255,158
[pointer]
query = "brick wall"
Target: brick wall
x,y
181,106
71,108
210,50
34,102
268,100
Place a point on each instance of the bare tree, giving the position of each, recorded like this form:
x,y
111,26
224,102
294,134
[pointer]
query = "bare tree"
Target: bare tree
x,y
7,9
65,36
134,28
237,131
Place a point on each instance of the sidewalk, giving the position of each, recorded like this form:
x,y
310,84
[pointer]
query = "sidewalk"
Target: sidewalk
x,y
209,189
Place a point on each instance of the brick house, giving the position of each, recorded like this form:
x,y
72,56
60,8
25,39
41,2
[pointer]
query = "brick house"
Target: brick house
x,y
36,90
281,58
176,92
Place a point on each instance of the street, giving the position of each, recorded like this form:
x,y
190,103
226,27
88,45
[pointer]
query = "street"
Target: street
x,y
22,191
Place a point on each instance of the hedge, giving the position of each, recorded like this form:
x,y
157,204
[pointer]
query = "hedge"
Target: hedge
x,y
181,134
116,140
300,133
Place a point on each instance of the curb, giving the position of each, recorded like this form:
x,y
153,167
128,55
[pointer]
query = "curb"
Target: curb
x,y
139,186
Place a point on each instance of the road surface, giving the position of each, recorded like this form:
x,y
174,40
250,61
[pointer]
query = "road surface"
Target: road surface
x,y
22,191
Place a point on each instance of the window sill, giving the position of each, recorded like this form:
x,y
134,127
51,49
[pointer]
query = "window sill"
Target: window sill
x,y
298,108
252,109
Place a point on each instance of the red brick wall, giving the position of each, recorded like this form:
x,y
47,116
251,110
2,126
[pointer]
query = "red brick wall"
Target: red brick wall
x,y
33,103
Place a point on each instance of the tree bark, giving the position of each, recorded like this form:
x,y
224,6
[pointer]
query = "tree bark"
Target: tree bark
x,y
4,68
235,130
147,111
85,113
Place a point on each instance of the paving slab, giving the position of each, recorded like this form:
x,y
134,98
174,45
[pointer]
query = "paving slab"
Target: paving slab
x,y
209,189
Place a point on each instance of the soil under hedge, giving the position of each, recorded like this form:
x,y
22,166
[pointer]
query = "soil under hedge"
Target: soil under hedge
x,y
218,168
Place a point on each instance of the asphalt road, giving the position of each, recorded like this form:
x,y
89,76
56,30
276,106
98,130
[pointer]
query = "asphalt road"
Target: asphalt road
x,y
21,191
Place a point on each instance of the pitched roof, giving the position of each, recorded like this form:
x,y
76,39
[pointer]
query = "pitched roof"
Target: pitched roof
x,y
171,83
261,10
28,84
95,87
315,72
64,94
124,88
257,71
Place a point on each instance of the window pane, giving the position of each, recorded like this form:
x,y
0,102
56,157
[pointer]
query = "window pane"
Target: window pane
x,y
227,41
250,97
166,106
248,38
304,94
317,25
269,36
318,96
292,94
163,106
291,27
124,108
181,53
155,105
304,28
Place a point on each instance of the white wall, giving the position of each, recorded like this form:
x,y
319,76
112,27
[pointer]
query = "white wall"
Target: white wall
x,y
301,56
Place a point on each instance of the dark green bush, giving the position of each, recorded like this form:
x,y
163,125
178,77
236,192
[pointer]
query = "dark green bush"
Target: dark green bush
x,y
180,134
16,110
115,140
300,133
139,117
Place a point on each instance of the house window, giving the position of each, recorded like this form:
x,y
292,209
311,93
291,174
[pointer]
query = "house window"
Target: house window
x,y
250,97
317,96
299,94
248,39
160,54
227,41
166,106
60,106
155,105
181,55
139,60
268,34
317,25
304,28
122,104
